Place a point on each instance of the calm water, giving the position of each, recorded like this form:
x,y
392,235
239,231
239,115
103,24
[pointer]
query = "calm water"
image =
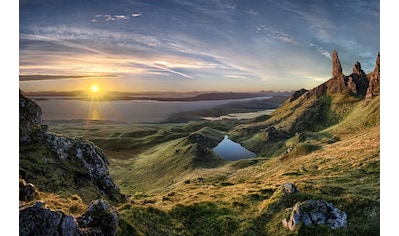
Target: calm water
x,y
232,151
126,111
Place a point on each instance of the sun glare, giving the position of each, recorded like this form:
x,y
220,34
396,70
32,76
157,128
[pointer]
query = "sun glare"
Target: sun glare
x,y
94,88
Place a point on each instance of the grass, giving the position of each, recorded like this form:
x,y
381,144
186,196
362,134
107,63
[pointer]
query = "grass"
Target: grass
x,y
173,191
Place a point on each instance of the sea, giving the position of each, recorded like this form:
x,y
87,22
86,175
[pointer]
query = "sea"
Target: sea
x,y
132,111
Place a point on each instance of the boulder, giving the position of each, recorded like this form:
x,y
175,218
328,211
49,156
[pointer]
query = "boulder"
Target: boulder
x,y
37,220
99,219
289,188
315,212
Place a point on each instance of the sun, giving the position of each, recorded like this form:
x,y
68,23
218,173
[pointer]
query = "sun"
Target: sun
x,y
94,88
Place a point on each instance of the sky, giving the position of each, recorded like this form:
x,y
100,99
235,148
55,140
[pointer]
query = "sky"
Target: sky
x,y
192,45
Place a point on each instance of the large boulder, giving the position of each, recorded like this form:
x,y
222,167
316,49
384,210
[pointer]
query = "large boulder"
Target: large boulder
x,y
37,220
100,219
315,212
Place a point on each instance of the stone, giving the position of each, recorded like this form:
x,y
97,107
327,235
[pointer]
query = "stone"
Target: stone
x,y
289,188
37,220
99,219
315,212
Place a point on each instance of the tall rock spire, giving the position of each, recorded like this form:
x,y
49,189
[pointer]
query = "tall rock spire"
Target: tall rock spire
x,y
337,68
374,84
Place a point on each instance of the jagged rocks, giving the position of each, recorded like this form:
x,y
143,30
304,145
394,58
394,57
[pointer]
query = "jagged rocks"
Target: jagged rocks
x,y
315,212
374,81
358,82
100,219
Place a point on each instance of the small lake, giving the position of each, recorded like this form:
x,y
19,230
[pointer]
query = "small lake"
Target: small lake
x,y
232,151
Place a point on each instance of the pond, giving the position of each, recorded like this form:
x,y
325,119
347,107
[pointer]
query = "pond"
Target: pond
x,y
232,151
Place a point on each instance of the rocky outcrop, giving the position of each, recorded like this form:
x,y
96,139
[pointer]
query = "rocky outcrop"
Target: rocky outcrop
x,y
358,82
85,154
31,128
99,219
202,139
297,94
38,220
315,212
27,191
374,80
91,158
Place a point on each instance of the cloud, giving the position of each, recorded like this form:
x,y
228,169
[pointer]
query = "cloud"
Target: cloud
x,y
321,51
273,33
108,17
236,76
252,12
24,78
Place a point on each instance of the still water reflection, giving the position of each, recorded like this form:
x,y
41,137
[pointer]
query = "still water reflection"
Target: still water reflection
x,y
231,151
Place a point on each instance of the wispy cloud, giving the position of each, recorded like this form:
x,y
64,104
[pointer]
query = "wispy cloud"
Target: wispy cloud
x,y
252,12
321,51
274,33
108,17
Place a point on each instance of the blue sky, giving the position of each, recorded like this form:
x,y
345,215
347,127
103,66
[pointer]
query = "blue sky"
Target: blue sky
x,y
193,45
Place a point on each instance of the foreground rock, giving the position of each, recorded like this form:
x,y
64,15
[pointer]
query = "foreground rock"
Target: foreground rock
x,y
100,219
37,220
315,212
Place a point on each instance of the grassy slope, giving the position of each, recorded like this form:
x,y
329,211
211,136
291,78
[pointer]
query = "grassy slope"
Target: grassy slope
x,y
242,197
